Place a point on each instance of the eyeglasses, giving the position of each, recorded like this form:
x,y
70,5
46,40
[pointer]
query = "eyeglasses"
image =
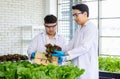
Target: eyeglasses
x,y
50,26
76,14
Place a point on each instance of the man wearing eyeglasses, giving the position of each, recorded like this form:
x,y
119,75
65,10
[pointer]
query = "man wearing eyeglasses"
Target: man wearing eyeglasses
x,y
50,36
83,48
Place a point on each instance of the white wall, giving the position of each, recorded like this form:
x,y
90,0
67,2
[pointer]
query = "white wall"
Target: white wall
x,y
17,14
53,7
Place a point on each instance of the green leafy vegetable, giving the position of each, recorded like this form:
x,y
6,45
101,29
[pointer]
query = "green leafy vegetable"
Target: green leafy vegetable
x,y
26,70
110,64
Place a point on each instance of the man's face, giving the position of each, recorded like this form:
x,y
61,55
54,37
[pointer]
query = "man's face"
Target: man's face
x,y
78,16
50,28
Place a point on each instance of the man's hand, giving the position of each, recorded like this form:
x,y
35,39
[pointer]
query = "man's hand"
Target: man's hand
x,y
33,55
59,54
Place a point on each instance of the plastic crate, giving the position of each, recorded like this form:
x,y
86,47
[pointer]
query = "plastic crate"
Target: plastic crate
x,y
42,59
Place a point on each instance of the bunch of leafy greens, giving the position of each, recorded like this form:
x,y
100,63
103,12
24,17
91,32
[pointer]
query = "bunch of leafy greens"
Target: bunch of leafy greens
x,y
26,70
50,50
110,64
13,57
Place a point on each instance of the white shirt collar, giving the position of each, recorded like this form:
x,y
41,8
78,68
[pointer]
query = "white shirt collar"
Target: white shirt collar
x,y
55,37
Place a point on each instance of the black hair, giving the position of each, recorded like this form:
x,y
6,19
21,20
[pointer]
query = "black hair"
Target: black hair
x,y
82,7
50,19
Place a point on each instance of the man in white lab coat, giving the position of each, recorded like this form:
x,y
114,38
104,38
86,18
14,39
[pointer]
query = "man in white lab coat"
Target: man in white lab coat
x,y
83,48
49,36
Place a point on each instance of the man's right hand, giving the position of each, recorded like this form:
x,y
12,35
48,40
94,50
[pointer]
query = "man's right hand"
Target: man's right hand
x,y
59,54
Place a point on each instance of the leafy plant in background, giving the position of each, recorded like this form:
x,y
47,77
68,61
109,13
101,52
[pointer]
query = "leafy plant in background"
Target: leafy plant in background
x,y
13,57
110,64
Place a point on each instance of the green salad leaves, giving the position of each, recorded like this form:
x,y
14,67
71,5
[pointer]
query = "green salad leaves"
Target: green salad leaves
x,y
110,64
26,70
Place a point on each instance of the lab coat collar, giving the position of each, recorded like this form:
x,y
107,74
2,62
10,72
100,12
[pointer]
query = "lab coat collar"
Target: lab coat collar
x,y
87,22
55,37
80,27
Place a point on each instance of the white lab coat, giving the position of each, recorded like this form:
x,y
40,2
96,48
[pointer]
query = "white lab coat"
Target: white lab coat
x,y
39,42
83,50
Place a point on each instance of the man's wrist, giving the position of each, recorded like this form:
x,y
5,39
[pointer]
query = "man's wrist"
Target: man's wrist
x,y
67,54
